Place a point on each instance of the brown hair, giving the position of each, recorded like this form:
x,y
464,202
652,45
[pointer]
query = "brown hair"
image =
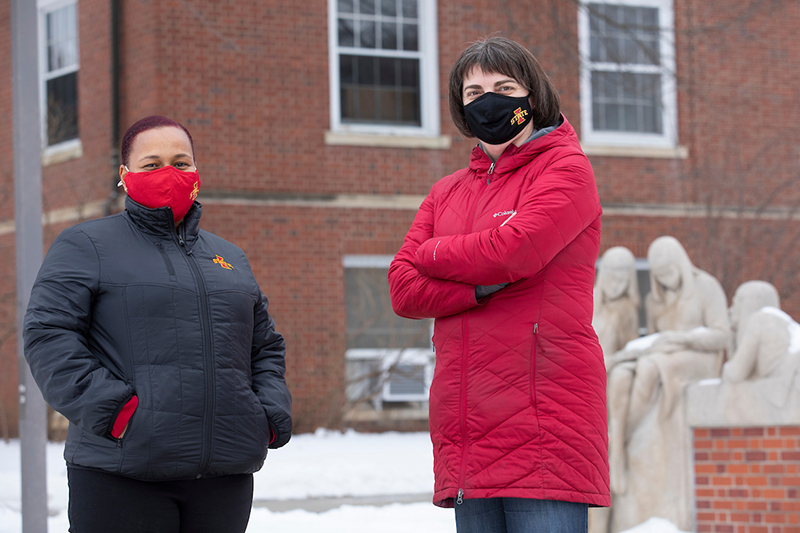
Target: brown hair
x,y
504,56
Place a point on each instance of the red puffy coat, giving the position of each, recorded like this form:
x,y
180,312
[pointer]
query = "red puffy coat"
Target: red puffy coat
x,y
518,399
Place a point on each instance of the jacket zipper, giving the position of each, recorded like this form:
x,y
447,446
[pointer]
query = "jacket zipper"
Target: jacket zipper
x,y
208,355
464,359
533,361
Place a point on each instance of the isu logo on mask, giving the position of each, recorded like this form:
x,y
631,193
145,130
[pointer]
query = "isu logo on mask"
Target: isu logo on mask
x,y
195,191
519,116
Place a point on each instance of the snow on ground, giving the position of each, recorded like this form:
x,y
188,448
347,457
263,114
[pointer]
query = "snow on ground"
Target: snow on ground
x,y
655,525
330,463
325,463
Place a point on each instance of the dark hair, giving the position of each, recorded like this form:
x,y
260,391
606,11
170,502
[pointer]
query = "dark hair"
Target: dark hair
x,y
148,123
504,56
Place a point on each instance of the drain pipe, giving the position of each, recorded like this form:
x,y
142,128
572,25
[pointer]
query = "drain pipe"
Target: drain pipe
x,y
114,195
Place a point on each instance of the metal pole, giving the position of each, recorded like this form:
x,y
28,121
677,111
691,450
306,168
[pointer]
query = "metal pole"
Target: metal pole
x,y
28,218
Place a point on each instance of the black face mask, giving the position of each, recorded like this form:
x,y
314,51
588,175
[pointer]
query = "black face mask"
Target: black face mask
x,y
496,119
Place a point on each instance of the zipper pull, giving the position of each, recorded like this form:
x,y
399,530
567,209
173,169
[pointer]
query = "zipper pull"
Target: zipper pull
x,y
491,168
181,241
536,328
460,498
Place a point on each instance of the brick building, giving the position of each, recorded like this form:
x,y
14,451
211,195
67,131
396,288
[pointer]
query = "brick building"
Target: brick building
x,y
319,126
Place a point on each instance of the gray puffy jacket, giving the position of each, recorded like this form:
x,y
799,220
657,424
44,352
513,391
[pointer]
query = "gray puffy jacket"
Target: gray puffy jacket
x,y
125,306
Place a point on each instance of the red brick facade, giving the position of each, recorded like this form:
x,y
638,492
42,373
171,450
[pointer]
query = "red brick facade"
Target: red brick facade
x,y
250,79
747,479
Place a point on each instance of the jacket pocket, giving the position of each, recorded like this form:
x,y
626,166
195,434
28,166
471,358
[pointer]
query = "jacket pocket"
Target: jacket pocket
x,y
121,440
167,261
535,350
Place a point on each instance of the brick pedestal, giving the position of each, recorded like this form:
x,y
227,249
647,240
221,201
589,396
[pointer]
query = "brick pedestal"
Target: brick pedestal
x,y
747,479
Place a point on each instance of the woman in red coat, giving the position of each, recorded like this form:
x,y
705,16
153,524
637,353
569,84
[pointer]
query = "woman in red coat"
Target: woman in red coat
x,y
502,255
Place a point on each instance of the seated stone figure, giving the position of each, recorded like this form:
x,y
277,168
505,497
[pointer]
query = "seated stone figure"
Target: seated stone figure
x,y
649,454
616,301
616,322
760,383
767,341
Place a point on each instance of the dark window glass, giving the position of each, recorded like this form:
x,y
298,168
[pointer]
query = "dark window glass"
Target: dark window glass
x,y
410,41
624,34
643,279
389,8
62,109
410,8
389,36
409,73
380,90
371,323
626,101
346,33
366,7
389,71
367,33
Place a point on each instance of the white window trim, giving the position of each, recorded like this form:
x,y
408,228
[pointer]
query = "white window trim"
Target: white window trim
x,y
429,78
669,99
72,148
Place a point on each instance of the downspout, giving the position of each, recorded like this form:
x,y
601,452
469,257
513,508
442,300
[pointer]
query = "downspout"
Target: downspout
x,y
114,195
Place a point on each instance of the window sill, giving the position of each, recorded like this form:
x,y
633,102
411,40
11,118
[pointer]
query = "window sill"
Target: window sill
x,y
442,142
60,153
651,152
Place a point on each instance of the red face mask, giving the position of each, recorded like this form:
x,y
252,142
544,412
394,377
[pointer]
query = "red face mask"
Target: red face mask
x,y
164,187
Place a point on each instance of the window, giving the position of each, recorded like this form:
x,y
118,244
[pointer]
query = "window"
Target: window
x,y
627,73
643,280
58,37
388,358
383,66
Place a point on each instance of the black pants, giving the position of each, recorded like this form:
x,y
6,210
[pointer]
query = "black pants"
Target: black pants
x,y
106,502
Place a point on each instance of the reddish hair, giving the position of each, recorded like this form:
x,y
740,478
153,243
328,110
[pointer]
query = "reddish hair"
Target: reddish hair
x,y
148,123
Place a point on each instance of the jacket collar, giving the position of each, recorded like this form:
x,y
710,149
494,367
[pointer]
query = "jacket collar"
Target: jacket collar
x,y
515,157
159,221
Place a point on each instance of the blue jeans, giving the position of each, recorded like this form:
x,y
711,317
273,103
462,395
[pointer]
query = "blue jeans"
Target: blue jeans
x,y
521,515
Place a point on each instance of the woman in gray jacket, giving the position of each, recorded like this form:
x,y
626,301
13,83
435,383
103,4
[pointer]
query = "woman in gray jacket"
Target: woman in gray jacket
x,y
152,337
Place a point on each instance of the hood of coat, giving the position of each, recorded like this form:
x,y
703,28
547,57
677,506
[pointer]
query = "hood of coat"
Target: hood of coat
x,y
159,221
515,157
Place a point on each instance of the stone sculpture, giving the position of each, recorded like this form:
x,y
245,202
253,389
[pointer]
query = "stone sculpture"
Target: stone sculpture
x,y
616,322
761,382
767,344
649,439
616,301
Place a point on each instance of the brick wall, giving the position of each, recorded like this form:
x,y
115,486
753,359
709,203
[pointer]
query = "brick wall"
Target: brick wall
x,y
70,184
747,479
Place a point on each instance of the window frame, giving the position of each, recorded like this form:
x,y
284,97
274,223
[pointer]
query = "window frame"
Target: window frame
x,y
669,137
45,7
428,55
424,357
